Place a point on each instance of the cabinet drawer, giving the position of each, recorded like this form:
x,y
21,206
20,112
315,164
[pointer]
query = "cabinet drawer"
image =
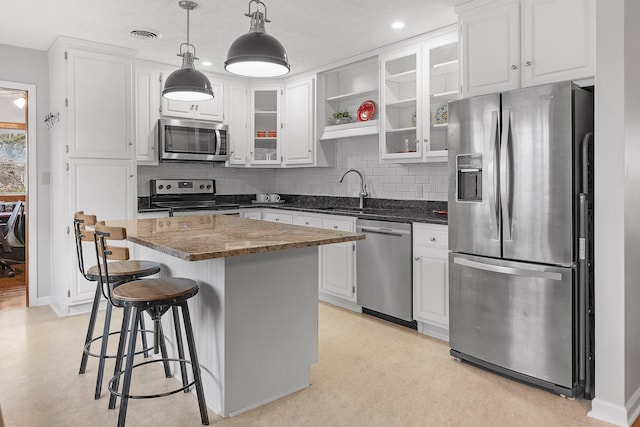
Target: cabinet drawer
x,y
308,220
331,223
430,235
278,217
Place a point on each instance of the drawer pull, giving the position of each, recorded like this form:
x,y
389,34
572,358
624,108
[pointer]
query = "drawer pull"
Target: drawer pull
x,y
432,239
335,227
306,223
417,258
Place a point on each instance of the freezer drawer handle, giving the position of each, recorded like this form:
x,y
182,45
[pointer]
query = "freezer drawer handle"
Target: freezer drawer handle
x,y
508,270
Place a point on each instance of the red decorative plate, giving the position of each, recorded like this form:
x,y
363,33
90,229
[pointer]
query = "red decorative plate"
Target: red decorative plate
x,y
366,111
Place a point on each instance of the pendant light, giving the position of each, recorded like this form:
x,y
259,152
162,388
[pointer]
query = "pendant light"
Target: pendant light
x,y
187,83
257,54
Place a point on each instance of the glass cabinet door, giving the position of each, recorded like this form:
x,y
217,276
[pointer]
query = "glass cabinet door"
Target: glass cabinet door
x,y
400,88
266,118
442,63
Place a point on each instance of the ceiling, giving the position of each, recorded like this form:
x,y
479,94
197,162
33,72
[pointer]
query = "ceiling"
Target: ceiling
x,y
315,33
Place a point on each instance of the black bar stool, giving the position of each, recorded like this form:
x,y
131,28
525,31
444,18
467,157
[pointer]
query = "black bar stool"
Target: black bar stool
x,y
121,270
156,297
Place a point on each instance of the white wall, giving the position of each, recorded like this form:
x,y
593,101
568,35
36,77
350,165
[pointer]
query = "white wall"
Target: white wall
x,y
32,66
384,181
617,203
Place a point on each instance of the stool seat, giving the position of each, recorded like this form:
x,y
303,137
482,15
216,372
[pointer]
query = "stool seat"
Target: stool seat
x,y
152,292
126,270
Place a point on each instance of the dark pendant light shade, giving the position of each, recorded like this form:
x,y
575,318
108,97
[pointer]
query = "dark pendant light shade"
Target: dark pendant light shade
x,y
187,83
257,54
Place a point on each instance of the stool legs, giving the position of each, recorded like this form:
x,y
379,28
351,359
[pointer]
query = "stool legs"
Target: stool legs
x,y
126,317
103,350
126,383
204,416
183,366
90,329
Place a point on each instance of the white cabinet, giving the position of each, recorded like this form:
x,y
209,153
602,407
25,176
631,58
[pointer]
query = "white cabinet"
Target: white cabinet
x,y
147,113
99,103
264,148
415,85
344,89
238,121
92,156
212,109
298,132
431,279
338,262
275,215
251,213
508,44
307,220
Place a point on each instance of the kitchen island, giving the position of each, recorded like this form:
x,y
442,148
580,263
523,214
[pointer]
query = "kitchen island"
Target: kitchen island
x,y
255,318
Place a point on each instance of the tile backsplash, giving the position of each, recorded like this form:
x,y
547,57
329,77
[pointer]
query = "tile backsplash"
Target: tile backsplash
x,y
384,181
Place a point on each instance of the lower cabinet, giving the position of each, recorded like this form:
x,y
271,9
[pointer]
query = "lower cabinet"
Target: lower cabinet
x,y
251,213
431,279
337,262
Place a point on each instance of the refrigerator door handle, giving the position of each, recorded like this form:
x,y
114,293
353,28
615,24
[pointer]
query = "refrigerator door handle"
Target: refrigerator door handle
x,y
548,275
504,175
494,171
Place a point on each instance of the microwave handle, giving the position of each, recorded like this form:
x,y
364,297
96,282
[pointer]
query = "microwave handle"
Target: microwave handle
x,y
218,142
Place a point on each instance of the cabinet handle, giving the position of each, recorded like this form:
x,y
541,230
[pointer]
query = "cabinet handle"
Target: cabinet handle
x,y
191,107
277,219
417,258
335,227
130,143
197,106
514,67
528,63
432,239
306,223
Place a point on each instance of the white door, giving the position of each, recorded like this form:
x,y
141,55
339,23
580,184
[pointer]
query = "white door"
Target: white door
x,y
430,301
212,109
490,48
298,132
558,40
99,105
337,270
104,188
238,125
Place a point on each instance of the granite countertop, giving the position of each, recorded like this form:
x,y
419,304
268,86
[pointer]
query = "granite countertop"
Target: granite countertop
x,y
377,209
194,238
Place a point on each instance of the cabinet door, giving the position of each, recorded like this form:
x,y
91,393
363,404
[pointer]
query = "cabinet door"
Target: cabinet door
x,y
265,126
104,188
490,37
238,100
212,109
252,214
558,40
337,270
173,108
276,216
400,99
298,131
99,105
147,113
430,280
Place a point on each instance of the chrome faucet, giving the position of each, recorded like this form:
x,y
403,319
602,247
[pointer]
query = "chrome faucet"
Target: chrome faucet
x,y
363,187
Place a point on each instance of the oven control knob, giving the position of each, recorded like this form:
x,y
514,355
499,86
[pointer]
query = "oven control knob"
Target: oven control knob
x,y
168,186
201,186
209,187
160,187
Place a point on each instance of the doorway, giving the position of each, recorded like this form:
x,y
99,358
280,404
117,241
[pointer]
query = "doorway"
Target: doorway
x,y
14,157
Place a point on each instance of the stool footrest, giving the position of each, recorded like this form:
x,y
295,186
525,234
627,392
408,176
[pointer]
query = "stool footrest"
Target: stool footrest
x,y
150,396
87,347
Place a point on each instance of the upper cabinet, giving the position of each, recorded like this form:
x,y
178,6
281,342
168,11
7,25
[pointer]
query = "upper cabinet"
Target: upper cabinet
x,y
415,86
298,132
507,44
344,89
238,121
147,112
99,103
212,110
264,148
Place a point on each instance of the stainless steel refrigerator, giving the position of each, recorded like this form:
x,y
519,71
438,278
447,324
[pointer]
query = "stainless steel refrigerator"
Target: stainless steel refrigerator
x,y
519,260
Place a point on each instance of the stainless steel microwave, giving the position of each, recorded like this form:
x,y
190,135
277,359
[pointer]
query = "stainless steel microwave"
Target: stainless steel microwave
x,y
192,141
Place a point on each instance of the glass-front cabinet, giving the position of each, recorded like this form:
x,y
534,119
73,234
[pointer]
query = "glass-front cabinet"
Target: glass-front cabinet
x,y
415,86
265,126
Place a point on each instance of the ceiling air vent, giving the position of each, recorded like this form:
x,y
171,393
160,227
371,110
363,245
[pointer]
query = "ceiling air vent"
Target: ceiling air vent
x,y
144,34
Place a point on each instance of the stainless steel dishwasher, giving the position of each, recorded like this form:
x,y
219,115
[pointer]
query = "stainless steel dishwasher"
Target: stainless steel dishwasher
x,y
384,274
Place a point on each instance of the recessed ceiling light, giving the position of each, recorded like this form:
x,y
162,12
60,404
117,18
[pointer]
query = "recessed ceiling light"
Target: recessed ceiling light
x,y
145,34
397,25
207,63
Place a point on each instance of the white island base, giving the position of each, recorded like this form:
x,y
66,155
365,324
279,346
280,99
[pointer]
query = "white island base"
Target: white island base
x,y
255,322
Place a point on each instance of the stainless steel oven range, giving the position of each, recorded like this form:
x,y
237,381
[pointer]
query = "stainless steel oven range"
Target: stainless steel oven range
x,y
189,197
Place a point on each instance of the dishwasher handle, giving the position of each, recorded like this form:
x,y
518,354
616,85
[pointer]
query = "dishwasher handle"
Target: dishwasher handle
x,y
381,230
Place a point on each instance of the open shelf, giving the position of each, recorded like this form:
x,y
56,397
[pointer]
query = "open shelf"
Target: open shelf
x,y
404,77
352,95
348,130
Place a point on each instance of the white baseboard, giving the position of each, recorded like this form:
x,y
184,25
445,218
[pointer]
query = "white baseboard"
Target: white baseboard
x,y
42,301
340,302
609,412
633,407
434,331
